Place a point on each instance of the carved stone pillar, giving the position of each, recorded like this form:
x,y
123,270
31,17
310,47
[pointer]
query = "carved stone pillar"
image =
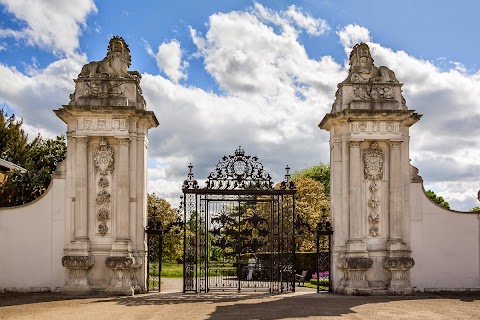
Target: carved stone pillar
x,y
81,189
123,180
123,269
77,274
396,196
356,262
355,243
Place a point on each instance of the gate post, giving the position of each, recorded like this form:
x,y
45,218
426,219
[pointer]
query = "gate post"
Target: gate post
x,y
106,196
369,136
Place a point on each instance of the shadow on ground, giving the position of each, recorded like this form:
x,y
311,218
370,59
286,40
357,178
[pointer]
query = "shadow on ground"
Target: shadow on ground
x,y
249,306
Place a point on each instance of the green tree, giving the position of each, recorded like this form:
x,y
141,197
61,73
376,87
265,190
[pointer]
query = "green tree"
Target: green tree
x,y
311,202
475,209
437,199
162,217
39,157
320,172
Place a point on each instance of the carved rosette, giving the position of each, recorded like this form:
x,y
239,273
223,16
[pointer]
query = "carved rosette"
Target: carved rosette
x,y
103,160
373,158
77,273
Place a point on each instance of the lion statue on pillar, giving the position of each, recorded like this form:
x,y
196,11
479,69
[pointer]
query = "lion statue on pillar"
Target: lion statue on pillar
x,y
114,65
362,68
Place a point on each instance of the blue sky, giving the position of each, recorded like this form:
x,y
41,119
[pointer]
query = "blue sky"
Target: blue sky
x,y
261,74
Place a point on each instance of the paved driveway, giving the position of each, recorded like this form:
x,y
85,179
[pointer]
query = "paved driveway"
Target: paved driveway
x,y
304,304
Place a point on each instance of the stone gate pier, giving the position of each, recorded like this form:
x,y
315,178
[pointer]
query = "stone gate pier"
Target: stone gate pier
x,y
389,237
370,171
106,176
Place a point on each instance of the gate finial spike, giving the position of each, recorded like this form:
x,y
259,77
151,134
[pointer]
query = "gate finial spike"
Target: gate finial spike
x,y
239,152
287,175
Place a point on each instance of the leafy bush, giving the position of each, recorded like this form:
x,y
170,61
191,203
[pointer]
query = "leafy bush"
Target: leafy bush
x,y
323,282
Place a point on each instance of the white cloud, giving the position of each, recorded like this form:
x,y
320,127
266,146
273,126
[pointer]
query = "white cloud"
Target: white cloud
x,y
276,95
169,60
34,96
247,57
273,97
311,25
353,34
292,21
51,24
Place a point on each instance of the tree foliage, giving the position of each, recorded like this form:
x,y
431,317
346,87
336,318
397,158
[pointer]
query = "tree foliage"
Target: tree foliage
x,y
475,209
320,173
39,157
438,199
311,203
162,217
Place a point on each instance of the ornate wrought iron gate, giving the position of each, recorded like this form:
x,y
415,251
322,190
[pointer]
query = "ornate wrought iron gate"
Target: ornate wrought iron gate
x,y
324,242
239,229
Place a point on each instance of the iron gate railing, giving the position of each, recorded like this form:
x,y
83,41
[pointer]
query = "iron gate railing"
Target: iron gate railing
x,y
239,229
155,235
324,233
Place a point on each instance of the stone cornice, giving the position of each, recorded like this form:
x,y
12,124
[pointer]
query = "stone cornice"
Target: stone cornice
x,y
71,112
406,117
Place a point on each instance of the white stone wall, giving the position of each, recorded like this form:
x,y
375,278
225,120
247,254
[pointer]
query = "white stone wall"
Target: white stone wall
x,y
445,245
32,238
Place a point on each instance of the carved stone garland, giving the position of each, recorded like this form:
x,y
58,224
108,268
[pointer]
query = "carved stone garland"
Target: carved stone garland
x,y
373,159
103,160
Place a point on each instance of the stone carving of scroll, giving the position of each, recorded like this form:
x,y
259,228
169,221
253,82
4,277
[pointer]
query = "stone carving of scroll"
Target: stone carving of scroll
x,y
103,161
373,159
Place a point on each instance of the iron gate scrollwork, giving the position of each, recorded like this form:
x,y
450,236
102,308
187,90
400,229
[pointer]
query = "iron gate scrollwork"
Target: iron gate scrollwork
x,y
155,232
239,229
324,241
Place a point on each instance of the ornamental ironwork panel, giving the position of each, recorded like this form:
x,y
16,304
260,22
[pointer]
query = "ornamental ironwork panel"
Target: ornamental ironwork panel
x,y
239,229
324,239
239,171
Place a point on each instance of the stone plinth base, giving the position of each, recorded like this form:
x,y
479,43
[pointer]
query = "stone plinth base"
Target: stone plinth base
x,y
122,268
77,274
354,271
399,266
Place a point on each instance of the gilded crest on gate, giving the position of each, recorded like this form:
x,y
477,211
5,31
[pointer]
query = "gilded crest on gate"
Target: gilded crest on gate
x,y
103,158
373,159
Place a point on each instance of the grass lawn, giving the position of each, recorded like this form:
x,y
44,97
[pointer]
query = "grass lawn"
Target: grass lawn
x,y
314,286
169,269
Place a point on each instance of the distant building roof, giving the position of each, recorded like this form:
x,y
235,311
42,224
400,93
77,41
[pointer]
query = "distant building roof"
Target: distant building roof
x,y
7,165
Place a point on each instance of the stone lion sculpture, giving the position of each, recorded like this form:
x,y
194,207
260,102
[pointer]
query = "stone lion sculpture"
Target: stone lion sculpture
x,y
114,65
362,68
